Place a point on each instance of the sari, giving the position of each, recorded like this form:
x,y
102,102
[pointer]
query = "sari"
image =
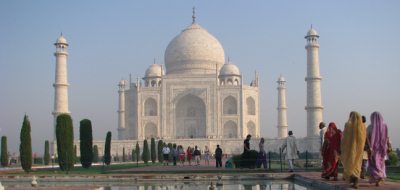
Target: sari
x,y
378,144
352,146
330,151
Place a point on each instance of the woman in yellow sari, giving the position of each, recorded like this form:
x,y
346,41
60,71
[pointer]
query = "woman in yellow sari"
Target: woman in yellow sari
x,y
352,147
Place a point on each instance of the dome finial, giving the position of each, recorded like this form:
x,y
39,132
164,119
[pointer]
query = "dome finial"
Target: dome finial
x,y
194,15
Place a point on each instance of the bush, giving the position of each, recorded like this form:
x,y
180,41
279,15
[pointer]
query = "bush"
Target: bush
x,y
107,149
86,143
25,148
46,156
160,145
246,160
65,142
146,152
4,152
153,150
95,154
393,159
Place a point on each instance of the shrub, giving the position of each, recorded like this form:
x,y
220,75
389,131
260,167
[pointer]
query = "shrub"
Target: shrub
x,y
46,155
107,149
160,145
146,152
137,151
123,155
95,154
65,142
393,159
246,160
4,152
153,150
25,148
86,143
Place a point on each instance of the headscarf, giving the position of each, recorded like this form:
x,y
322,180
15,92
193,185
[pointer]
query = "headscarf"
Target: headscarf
x,y
378,139
332,130
352,145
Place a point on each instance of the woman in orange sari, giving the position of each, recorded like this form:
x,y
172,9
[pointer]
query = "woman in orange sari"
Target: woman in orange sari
x,y
330,152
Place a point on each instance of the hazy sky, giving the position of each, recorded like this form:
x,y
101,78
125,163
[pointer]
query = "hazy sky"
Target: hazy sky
x,y
359,56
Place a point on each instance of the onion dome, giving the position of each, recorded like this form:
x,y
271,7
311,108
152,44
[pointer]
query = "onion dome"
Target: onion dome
x,y
229,69
61,40
194,51
155,70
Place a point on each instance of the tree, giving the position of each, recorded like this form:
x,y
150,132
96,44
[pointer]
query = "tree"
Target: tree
x,y
123,154
25,148
153,150
46,155
4,152
86,143
146,152
137,151
65,142
133,154
160,145
95,154
107,149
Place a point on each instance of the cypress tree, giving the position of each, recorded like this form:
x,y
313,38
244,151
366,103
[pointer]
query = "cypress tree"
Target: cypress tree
x,y
86,143
153,150
146,152
159,151
65,142
25,148
133,155
123,154
95,154
4,152
46,156
137,151
107,149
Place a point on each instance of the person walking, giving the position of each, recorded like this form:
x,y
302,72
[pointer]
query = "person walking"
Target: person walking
x,y
246,152
174,154
166,152
189,153
207,155
262,155
322,130
365,153
352,147
291,149
218,157
181,153
330,152
197,155
378,148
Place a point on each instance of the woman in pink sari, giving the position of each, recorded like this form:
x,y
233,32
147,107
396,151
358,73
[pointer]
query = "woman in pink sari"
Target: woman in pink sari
x,y
330,152
377,139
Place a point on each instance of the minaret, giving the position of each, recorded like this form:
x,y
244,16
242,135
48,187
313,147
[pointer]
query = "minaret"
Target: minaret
x,y
121,110
282,109
61,81
314,106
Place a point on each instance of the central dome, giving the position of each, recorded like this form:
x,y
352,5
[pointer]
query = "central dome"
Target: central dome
x,y
194,51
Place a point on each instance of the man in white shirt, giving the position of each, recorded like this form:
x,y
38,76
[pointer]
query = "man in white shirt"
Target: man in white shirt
x,y
165,152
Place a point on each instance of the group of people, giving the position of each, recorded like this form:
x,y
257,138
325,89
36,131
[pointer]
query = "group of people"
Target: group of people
x,y
354,147
179,154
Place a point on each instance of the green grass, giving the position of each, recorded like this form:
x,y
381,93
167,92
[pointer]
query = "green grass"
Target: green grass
x,y
393,173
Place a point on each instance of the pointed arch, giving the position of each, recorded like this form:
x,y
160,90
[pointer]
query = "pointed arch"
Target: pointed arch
x,y
190,117
251,106
230,106
150,107
230,129
150,130
251,128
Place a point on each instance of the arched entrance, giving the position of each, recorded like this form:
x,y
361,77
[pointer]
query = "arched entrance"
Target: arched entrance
x,y
190,117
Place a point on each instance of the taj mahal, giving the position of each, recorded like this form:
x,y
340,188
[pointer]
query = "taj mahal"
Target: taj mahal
x,y
197,97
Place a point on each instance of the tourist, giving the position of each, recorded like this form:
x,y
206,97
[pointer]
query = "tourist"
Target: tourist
x,y
262,155
352,147
181,153
246,152
218,157
330,152
197,155
206,155
365,153
322,130
166,152
378,148
291,149
189,153
174,154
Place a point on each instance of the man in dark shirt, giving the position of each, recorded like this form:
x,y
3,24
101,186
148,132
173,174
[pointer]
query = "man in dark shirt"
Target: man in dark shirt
x,y
218,156
246,145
